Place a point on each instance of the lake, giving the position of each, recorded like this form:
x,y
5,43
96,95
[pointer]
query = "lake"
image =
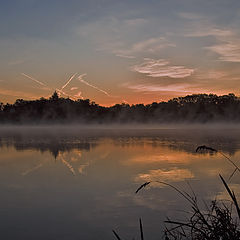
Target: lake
x,y
70,183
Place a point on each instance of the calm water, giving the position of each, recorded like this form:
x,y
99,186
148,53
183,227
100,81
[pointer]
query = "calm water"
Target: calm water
x,y
80,184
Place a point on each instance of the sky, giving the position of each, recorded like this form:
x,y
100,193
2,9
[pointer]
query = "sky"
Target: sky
x,y
112,51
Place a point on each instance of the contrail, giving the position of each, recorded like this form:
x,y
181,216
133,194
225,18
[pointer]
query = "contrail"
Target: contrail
x,y
31,169
69,166
35,80
49,88
70,79
80,78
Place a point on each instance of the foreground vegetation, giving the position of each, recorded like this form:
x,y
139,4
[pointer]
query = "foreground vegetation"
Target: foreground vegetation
x,y
198,108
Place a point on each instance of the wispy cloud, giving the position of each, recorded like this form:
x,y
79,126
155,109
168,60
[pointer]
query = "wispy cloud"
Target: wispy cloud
x,y
150,45
161,68
74,88
173,175
201,26
135,22
180,88
228,52
227,44
211,74
16,94
125,56
16,62
80,78
210,31
190,16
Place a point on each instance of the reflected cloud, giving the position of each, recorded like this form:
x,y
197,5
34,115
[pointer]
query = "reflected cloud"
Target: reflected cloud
x,y
82,167
173,175
223,195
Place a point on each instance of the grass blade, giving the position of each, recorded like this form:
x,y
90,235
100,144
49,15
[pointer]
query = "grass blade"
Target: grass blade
x,y
116,235
232,195
142,186
141,229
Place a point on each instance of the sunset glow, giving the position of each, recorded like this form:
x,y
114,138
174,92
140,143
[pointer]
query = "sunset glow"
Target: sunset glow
x,y
118,52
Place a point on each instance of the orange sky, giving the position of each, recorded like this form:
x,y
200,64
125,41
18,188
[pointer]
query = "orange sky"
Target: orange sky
x,y
113,52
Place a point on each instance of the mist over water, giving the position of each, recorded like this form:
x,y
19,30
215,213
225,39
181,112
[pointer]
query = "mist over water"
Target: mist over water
x,y
79,183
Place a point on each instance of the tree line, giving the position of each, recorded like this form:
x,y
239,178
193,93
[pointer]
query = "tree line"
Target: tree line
x,y
196,108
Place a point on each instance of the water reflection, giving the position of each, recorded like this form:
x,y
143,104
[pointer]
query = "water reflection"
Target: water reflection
x,y
82,185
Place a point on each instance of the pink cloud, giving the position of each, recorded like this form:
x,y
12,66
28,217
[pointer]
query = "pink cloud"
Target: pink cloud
x,y
161,68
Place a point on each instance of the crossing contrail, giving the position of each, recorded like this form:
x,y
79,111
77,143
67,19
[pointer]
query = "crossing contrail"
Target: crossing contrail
x,y
50,88
80,78
35,80
70,79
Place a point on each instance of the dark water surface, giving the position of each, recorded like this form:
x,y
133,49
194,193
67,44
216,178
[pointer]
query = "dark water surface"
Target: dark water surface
x,y
80,184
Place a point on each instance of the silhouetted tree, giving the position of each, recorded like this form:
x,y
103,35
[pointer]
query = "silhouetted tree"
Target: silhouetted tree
x,y
192,108
54,97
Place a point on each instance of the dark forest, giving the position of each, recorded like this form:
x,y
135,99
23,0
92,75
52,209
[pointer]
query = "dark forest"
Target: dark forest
x,y
197,108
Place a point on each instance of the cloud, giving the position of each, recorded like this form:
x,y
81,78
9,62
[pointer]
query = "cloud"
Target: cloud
x,y
17,94
150,45
228,52
82,167
173,175
161,68
125,56
210,32
181,88
190,16
135,22
212,74
74,88
16,62
227,44
80,78
201,26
